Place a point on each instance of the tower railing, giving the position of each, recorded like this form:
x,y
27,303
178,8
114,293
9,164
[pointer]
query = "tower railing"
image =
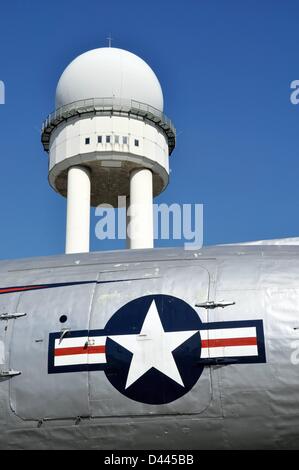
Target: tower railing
x,y
108,106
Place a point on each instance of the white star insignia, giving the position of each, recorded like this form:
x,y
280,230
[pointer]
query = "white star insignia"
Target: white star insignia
x,y
152,348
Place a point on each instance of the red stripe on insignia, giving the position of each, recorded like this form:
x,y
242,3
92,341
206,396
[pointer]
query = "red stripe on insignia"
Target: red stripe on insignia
x,y
222,342
79,350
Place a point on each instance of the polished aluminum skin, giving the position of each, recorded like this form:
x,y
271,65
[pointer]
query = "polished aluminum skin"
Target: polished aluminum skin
x,y
232,406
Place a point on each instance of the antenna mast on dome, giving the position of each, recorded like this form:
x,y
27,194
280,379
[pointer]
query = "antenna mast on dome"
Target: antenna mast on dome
x,y
109,38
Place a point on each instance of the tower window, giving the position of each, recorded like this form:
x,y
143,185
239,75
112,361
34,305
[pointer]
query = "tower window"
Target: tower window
x,y
125,140
99,139
116,139
108,139
87,141
136,141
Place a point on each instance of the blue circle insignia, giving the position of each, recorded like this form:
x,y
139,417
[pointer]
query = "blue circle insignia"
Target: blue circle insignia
x,y
153,349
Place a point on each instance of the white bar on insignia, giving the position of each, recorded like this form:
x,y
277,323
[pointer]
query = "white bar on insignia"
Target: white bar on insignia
x,y
71,342
97,358
72,360
97,340
79,359
223,333
80,342
229,351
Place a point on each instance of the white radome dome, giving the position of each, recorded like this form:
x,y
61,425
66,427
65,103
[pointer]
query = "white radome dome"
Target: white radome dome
x,y
109,72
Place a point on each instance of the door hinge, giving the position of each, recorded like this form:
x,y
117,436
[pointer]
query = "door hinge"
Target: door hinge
x,y
210,304
10,316
9,373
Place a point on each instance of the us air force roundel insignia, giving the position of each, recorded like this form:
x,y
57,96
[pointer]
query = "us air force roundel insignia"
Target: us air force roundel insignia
x,y
157,359
154,348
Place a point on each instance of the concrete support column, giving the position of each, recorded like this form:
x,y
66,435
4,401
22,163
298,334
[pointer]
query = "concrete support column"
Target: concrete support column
x,y
141,225
78,210
128,241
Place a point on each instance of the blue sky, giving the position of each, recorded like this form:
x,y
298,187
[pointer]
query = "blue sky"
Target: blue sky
x,y
225,68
